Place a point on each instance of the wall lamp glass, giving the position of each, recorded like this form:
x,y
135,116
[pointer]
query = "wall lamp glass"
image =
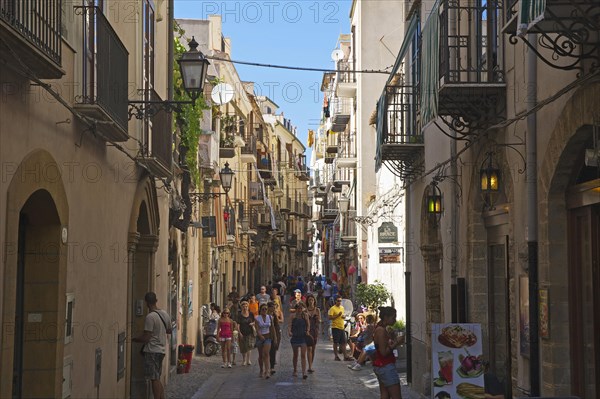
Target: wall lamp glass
x,y
435,206
194,67
490,181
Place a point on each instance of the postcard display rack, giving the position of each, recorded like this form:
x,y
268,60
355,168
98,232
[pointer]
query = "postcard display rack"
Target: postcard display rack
x,y
457,361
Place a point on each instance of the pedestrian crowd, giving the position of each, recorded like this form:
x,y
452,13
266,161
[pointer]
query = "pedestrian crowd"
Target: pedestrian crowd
x,y
316,311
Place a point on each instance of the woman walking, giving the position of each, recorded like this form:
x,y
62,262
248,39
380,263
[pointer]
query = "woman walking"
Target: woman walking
x,y
298,329
272,311
225,335
384,364
265,333
246,331
314,317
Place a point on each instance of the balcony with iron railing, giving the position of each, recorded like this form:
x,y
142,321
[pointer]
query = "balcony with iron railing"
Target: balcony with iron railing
x,y
265,169
348,232
259,132
403,143
346,79
248,151
256,195
302,170
233,131
329,212
347,151
104,76
471,80
157,142
340,113
31,36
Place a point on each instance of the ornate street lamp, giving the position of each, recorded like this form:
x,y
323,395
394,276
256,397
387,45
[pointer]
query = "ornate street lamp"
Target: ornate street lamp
x,y
194,67
490,181
226,177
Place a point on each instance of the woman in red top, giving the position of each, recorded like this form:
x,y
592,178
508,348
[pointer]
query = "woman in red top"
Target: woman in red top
x,y
384,364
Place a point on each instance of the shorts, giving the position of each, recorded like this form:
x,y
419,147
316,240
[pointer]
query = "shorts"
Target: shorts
x,y
224,339
261,342
387,375
153,365
339,336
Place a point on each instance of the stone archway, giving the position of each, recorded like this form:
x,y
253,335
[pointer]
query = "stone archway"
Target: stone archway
x,y
571,135
35,268
142,245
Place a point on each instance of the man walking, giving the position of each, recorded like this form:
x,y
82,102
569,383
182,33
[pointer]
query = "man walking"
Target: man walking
x,y
156,327
336,315
263,298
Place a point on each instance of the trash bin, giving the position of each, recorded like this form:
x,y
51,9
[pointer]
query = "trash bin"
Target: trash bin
x,y
186,352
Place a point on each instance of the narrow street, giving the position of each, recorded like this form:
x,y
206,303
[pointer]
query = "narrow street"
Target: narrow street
x,y
331,379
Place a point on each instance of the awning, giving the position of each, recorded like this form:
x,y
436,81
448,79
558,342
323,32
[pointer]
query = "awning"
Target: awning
x,y
530,13
382,103
430,66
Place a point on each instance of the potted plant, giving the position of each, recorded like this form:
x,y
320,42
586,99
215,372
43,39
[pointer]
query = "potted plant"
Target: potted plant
x,y
397,332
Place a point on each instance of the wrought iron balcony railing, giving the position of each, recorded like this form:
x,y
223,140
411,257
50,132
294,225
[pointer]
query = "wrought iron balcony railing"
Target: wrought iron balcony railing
x,y
32,30
471,79
104,74
157,141
340,113
256,195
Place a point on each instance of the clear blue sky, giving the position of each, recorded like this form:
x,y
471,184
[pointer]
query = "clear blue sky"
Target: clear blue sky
x,y
295,33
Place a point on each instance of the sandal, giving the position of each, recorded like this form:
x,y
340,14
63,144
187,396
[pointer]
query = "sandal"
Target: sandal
x,y
337,359
304,377
348,359
310,370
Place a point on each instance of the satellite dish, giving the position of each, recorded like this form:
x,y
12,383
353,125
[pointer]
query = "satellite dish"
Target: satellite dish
x,y
222,93
337,55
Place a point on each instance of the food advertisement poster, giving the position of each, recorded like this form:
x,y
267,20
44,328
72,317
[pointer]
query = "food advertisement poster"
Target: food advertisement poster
x,y
457,361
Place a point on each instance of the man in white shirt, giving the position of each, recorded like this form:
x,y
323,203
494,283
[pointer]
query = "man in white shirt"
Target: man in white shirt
x,y
156,327
263,297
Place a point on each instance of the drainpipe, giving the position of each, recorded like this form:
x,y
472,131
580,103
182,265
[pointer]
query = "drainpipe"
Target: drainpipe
x,y
532,218
407,282
454,214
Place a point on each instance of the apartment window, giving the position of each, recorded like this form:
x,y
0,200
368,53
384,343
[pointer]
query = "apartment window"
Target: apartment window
x,y
90,48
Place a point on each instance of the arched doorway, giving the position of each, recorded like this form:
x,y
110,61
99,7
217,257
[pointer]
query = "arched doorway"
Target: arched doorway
x,y
143,243
34,280
38,340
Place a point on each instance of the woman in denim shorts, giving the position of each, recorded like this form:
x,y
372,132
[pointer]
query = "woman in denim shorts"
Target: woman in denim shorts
x,y
384,364
265,331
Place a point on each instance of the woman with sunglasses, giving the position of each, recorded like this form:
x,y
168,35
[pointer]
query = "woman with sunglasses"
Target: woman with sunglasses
x,y
225,335
265,333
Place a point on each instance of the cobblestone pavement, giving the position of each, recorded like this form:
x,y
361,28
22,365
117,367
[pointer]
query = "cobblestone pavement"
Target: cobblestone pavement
x,y
331,379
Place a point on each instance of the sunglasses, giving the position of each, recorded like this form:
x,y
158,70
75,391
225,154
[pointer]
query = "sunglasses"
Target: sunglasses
x,y
338,301
226,313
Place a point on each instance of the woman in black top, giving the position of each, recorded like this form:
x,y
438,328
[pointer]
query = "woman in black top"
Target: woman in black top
x,y
246,333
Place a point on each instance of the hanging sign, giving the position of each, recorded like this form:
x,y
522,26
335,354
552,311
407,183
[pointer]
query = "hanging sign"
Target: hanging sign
x,y
387,232
457,361
390,255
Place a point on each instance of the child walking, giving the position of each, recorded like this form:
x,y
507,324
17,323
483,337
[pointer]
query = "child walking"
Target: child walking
x,y
235,345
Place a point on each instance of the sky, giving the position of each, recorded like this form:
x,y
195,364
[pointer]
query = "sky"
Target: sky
x,y
293,33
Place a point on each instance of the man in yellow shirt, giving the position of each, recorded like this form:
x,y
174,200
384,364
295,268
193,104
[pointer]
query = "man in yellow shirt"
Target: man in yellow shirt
x,y
336,315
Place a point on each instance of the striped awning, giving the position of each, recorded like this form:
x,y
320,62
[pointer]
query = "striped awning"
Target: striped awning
x,y
430,66
221,237
530,13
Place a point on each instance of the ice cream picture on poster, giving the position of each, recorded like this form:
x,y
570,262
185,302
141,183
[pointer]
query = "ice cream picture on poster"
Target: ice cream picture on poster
x,y
457,361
